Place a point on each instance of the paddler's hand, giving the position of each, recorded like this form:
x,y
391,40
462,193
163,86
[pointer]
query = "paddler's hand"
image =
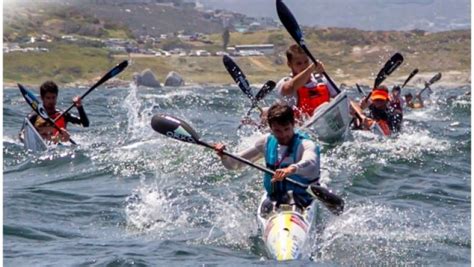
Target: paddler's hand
x,y
219,148
64,135
319,68
367,122
77,101
280,174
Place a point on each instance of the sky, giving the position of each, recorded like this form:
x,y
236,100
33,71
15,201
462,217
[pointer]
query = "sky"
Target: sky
x,y
429,15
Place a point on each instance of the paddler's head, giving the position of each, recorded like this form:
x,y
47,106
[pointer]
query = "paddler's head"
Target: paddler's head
x,y
282,122
49,96
379,97
396,90
297,60
408,97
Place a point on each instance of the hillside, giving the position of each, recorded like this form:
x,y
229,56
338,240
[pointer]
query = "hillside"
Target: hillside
x,y
19,23
348,54
103,19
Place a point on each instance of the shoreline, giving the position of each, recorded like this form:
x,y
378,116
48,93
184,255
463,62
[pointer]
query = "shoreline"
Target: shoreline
x,y
449,79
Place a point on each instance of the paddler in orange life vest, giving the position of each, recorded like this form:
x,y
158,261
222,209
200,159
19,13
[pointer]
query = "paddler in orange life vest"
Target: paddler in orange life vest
x,y
306,89
49,94
379,111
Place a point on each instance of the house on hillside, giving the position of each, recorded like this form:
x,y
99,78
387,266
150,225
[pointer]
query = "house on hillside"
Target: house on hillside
x,y
266,49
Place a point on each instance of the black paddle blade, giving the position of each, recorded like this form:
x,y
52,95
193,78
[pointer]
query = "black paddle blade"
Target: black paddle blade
x,y
435,78
333,202
412,74
266,88
34,102
289,22
238,76
390,66
174,128
112,73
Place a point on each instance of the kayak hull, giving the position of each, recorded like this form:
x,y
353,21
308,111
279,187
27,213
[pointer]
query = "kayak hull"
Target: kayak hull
x,y
330,121
32,140
285,231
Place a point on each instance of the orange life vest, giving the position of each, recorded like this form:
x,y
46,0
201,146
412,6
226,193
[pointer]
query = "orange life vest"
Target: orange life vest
x,y
61,123
311,98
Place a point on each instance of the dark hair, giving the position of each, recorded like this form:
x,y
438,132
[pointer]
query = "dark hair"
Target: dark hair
x,y
396,88
293,50
48,87
281,114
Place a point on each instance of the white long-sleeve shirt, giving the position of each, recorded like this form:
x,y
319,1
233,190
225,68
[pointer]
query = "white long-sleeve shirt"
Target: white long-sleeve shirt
x,y
307,164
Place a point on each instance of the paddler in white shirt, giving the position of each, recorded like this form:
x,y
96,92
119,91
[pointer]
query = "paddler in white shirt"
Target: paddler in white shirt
x,y
288,152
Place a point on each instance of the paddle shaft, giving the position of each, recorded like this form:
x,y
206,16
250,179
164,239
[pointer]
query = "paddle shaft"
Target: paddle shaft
x,y
360,90
113,72
248,162
426,87
412,74
435,78
59,130
308,53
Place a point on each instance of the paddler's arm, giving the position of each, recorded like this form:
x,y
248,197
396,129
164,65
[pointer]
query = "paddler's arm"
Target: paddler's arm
x,y
420,101
253,154
82,119
290,86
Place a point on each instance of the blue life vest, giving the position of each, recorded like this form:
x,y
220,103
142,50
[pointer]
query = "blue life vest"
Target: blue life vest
x,y
271,157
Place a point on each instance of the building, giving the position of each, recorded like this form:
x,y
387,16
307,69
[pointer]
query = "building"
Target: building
x,y
266,49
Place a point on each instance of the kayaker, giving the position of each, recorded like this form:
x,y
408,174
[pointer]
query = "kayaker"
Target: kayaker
x,y
305,89
288,153
396,107
410,102
49,94
379,111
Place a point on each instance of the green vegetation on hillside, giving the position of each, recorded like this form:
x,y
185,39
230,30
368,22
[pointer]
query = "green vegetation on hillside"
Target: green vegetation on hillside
x,y
55,21
348,54
64,63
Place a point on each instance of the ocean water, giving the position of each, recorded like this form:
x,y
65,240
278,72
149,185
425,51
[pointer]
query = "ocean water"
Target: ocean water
x,y
128,196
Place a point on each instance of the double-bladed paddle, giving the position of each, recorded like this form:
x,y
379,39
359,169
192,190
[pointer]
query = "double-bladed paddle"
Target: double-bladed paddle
x,y
412,74
38,108
112,73
434,79
239,77
182,131
291,25
266,88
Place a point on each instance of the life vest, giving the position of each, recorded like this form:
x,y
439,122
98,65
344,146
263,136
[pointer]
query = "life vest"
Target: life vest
x,y
61,123
278,189
309,98
381,117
